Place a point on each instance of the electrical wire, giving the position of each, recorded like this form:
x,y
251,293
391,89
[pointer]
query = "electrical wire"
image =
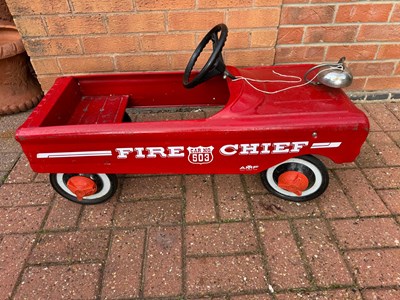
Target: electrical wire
x,y
298,79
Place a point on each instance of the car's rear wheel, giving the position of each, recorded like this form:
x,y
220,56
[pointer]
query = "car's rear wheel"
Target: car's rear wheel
x,y
85,188
297,179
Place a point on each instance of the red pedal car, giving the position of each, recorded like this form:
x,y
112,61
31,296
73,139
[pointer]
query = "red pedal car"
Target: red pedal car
x,y
273,121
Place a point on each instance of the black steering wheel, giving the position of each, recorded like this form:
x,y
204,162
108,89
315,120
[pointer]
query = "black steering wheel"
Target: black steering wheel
x,y
215,64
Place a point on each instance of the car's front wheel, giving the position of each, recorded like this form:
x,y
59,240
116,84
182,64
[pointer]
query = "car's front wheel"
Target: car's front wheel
x,y
85,188
297,179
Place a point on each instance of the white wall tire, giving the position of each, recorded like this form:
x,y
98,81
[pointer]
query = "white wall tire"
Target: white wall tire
x,y
310,166
106,187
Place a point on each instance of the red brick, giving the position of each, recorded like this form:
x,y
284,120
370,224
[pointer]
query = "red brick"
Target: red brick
x,y
383,116
86,64
397,70
383,83
72,281
164,4
124,264
199,199
372,123
370,233
369,158
53,46
148,213
72,25
63,215
224,3
8,161
224,274
102,5
263,38
394,108
389,51
375,294
110,44
21,172
252,57
294,1
363,13
45,66
163,272
268,206
386,148
395,136
379,33
299,54
131,63
293,15
290,35
334,202
14,250
9,124
285,265
25,194
30,26
396,14
253,18
254,184
199,20
251,297
328,267
359,189
140,22
267,2
352,52
322,295
357,85
231,197
391,198
70,247
36,7
21,219
220,239
46,81
371,68
330,34
240,40
9,145
167,42
98,216
151,187
376,267
384,178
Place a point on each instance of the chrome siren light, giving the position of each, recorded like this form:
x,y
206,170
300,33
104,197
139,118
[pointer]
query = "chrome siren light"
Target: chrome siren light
x,y
335,75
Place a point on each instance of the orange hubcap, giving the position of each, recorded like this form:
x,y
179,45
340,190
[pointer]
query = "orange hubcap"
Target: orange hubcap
x,y
294,182
81,186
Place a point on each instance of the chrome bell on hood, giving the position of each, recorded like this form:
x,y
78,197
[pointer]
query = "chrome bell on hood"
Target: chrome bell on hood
x,y
332,75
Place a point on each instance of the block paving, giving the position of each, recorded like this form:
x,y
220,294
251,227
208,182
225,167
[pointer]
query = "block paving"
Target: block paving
x,y
220,237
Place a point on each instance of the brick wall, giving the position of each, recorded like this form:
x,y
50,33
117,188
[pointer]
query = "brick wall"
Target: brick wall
x,y
88,36
366,32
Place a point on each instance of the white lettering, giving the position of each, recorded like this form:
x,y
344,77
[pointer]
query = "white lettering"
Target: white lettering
x,y
281,147
123,152
297,146
176,151
265,148
139,153
154,151
249,149
229,150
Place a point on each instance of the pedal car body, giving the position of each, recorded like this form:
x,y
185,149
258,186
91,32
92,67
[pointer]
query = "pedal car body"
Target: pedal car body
x,y
79,127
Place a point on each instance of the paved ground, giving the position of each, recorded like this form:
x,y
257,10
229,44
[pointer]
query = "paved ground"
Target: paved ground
x,y
206,237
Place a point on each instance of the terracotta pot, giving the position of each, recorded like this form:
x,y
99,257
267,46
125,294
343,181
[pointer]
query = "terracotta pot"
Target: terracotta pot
x,y
19,89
